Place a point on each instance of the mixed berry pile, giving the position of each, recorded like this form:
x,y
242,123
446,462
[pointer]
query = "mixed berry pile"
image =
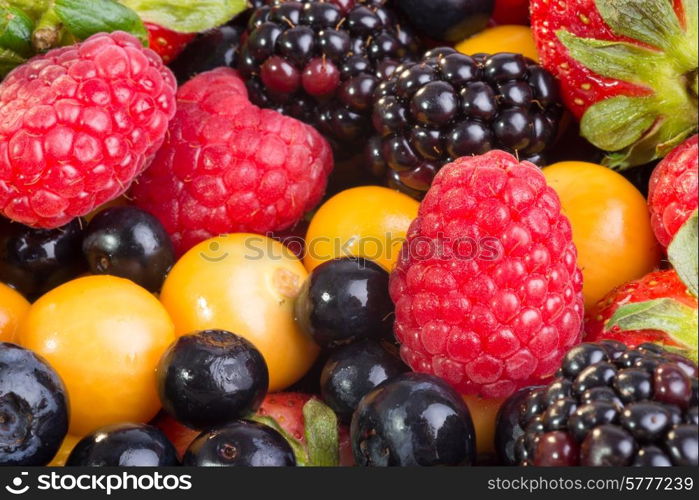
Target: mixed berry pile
x,y
349,233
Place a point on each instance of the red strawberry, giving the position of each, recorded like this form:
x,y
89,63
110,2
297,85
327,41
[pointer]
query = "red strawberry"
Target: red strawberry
x,y
672,192
487,290
179,435
283,411
657,308
287,410
628,70
167,43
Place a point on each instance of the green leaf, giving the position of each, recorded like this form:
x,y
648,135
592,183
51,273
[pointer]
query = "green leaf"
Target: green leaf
x,y
9,60
16,31
682,253
32,8
322,438
618,122
187,16
651,21
619,60
84,18
677,320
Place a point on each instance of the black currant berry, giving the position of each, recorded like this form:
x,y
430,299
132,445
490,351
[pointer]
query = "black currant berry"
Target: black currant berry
x,y
124,445
34,261
410,420
353,371
210,378
33,408
129,243
344,300
240,444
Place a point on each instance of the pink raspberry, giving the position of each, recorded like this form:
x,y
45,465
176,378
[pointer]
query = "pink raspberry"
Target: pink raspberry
x,y
487,291
229,166
672,192
78,124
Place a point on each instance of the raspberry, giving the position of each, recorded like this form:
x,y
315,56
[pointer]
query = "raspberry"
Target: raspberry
x,y
609,405
487,291
229,166
452,105
320,61
672,193
78,124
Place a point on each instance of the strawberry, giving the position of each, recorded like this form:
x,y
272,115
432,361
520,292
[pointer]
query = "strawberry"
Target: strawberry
x,y
672,191
290,414
628,71
167,43
657,308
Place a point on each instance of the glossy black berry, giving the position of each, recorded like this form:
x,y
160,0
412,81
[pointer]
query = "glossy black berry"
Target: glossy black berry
x,y
240,444
344,300
447,20
588,416
508,428
320,61
451,105
124,445
646,421
610,406
210,378
33,408
34,261
633,384
352,371
413,420
651,456
683,445
211,49
607,446
129,243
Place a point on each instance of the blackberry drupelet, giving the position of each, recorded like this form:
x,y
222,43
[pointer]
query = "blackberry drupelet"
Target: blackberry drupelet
x,y
608,406
320,61
450,105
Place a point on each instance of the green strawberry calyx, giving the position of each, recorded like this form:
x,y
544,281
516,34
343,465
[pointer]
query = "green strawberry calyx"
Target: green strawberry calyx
x,y
676,319
682,253
639,129
322,447
28,27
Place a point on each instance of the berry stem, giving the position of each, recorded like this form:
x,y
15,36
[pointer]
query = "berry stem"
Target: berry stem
x,y
48,31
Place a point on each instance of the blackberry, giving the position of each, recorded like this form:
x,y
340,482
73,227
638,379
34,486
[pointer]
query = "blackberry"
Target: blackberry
x,y
450,105
608,406
321,61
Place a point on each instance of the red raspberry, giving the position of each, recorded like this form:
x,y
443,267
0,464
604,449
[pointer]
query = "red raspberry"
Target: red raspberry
x,y
487,291
672,193
78,124
229,166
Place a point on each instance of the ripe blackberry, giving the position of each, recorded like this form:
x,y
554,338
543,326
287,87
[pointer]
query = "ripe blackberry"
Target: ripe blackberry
x,y
320,61
608,405
450,105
